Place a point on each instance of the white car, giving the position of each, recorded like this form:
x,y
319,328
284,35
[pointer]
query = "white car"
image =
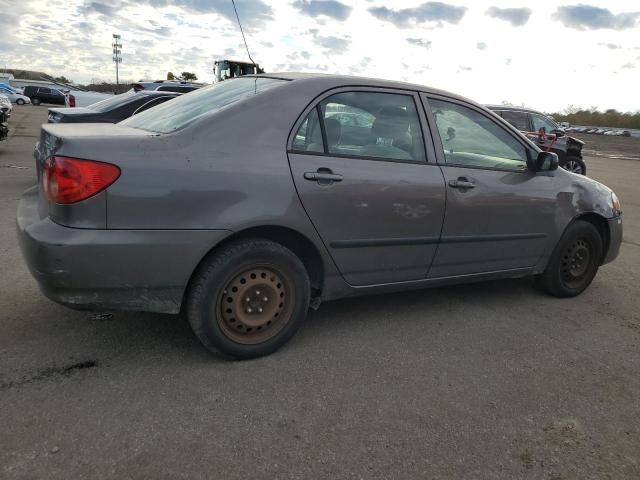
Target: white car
x,y
5,105
18,98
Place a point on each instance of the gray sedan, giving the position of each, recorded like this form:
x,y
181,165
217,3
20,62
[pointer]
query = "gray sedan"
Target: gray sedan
x,y
244,203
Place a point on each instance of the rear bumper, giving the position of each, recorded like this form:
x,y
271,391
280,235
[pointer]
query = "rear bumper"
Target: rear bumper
x,y
615,239
145,270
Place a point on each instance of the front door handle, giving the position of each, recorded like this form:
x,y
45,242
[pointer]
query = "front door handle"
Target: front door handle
x,y
461,183
324,176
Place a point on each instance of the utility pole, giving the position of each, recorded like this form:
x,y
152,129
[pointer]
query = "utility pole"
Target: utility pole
x,y
117,50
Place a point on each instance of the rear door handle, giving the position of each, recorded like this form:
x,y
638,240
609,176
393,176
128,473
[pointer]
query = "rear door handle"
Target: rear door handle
x,y
461,183
323,176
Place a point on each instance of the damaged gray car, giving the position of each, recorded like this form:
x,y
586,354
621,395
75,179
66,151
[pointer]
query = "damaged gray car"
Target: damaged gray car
x,y
244,203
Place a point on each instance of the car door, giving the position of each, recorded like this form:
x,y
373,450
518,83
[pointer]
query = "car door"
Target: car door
x,y
499,215
44,94
376,202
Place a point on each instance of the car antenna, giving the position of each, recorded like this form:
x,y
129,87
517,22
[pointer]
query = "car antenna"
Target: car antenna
x,y
242,32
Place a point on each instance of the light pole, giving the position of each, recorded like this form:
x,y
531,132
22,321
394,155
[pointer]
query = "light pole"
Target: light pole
x,y
117,50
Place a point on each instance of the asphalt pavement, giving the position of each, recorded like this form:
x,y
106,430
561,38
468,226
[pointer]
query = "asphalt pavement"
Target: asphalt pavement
x,y
484,381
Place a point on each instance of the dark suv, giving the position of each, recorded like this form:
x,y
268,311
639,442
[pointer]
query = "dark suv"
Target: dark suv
x,y
40,95
546,134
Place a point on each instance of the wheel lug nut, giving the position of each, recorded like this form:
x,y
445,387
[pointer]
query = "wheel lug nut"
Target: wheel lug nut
x,y
247,299
266,299
260,310
257,292
249,310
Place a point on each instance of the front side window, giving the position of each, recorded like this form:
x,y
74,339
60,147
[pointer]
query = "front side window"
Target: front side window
x,y
186,109
373,124
540,121
517,119
472,139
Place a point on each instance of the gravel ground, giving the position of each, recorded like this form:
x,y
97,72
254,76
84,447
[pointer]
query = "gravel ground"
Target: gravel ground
x,y
486,381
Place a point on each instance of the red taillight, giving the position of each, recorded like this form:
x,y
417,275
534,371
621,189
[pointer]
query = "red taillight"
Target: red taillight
x,y
70,180
72,101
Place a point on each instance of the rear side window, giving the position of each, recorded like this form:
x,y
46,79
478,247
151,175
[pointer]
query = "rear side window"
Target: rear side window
x,y
186,109
372,124
151,103
112,102
517,119
309,136
178,89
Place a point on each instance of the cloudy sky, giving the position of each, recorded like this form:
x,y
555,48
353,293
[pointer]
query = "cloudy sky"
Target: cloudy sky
x,y
544,54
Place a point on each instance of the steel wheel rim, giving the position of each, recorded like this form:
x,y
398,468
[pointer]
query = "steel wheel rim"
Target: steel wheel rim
x,y
573,166
576,261
243,314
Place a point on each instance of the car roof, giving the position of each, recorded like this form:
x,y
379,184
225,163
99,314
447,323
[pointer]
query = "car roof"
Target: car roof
x,y
333,81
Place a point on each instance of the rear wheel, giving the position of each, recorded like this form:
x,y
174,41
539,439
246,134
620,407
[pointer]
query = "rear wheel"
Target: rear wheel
x,y
20,101
248,299
575,165
35,101
574,262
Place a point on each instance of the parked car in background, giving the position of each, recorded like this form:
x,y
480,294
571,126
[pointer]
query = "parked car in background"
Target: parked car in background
x,y
4,125
5,105
213,205
111,110
166,86
6,89
18,98
40,95
552,137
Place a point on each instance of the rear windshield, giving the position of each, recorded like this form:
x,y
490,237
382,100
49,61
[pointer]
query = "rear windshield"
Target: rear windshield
x,y
113,102
183,110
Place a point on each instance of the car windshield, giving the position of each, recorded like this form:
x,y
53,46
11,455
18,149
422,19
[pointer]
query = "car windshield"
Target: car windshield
x,y
540,121
180,112
112,102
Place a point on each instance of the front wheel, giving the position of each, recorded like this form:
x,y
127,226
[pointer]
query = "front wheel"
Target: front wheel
x,y
574,262
20,101
248,298
575,165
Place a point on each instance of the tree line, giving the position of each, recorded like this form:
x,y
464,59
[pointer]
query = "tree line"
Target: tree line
x,y
595,118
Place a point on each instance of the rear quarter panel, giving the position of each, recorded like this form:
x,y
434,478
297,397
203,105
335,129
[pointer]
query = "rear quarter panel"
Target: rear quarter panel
x,y
227,171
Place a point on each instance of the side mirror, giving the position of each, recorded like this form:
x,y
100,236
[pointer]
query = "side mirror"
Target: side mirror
x,y
544,162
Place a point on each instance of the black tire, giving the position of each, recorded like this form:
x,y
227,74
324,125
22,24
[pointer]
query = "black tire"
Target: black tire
x,y
35,101
575,165
575,261
260,282
20,101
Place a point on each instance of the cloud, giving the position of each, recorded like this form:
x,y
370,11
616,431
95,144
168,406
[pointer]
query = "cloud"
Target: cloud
x,y
419,42
329,8
587,17
610,46
336,44
515,16
629,65
464,68
426,12
481,46
97,7
253,13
